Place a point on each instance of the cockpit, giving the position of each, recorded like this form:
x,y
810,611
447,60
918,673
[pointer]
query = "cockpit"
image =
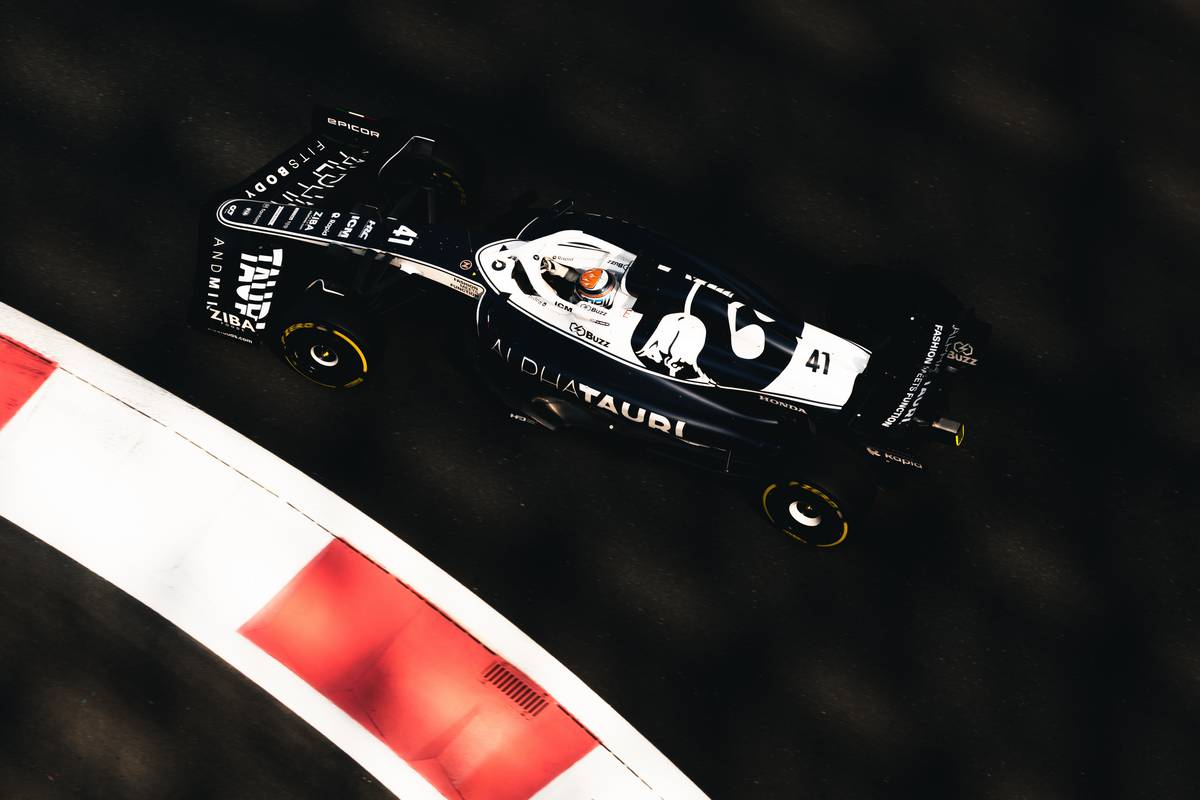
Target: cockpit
x,y
575,268
678,319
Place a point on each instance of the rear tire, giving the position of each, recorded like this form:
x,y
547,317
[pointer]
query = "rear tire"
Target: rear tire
x,y
328,341
817,504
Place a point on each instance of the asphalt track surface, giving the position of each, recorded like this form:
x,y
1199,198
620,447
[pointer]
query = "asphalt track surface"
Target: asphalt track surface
x,y
1021,624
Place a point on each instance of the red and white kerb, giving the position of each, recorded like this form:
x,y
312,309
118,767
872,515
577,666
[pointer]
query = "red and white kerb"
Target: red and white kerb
x,y
22,372
335,616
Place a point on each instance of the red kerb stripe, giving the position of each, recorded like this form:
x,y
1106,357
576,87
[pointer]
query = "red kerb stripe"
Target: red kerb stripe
x,y
416,680
22,371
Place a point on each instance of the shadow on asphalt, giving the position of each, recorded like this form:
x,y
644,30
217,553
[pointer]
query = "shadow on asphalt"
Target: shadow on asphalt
x,y
100,698
1019,625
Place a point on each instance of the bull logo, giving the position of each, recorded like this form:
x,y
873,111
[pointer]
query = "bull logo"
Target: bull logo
x,y
676,344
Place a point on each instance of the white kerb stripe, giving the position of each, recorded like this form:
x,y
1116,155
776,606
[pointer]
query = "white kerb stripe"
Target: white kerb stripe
x,y
163,453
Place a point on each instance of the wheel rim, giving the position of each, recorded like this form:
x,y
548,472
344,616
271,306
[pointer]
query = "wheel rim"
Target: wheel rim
x,y
804,513
323,355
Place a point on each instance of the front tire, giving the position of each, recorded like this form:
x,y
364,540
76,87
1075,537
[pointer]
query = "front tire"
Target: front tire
x,y
328,343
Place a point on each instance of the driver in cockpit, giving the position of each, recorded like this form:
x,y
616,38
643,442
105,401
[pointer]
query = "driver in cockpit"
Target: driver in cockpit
x,y
595,286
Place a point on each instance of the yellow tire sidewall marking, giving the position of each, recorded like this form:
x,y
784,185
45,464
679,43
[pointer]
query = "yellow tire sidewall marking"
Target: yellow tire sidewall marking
x,y
357,349
310,325
812,490
293,328
766,492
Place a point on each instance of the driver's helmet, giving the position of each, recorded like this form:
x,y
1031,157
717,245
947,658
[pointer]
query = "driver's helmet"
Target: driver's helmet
x,y
595,286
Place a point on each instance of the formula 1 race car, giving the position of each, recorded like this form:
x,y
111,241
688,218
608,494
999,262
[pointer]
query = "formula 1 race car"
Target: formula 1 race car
x,y
582,320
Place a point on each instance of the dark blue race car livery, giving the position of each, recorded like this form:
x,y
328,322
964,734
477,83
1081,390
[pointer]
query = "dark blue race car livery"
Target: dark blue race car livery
x,y
581,320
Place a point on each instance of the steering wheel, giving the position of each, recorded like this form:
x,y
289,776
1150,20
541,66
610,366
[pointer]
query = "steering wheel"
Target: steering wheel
x,y
533,271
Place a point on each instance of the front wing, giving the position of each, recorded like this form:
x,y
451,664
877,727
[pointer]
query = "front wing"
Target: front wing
x,y
266,240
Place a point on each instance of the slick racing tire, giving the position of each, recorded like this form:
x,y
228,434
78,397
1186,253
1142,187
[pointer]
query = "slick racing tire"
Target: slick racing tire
x,y
328,343
818,505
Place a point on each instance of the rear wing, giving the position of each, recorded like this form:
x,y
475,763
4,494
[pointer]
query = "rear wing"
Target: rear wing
x,y
344,190
903,386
